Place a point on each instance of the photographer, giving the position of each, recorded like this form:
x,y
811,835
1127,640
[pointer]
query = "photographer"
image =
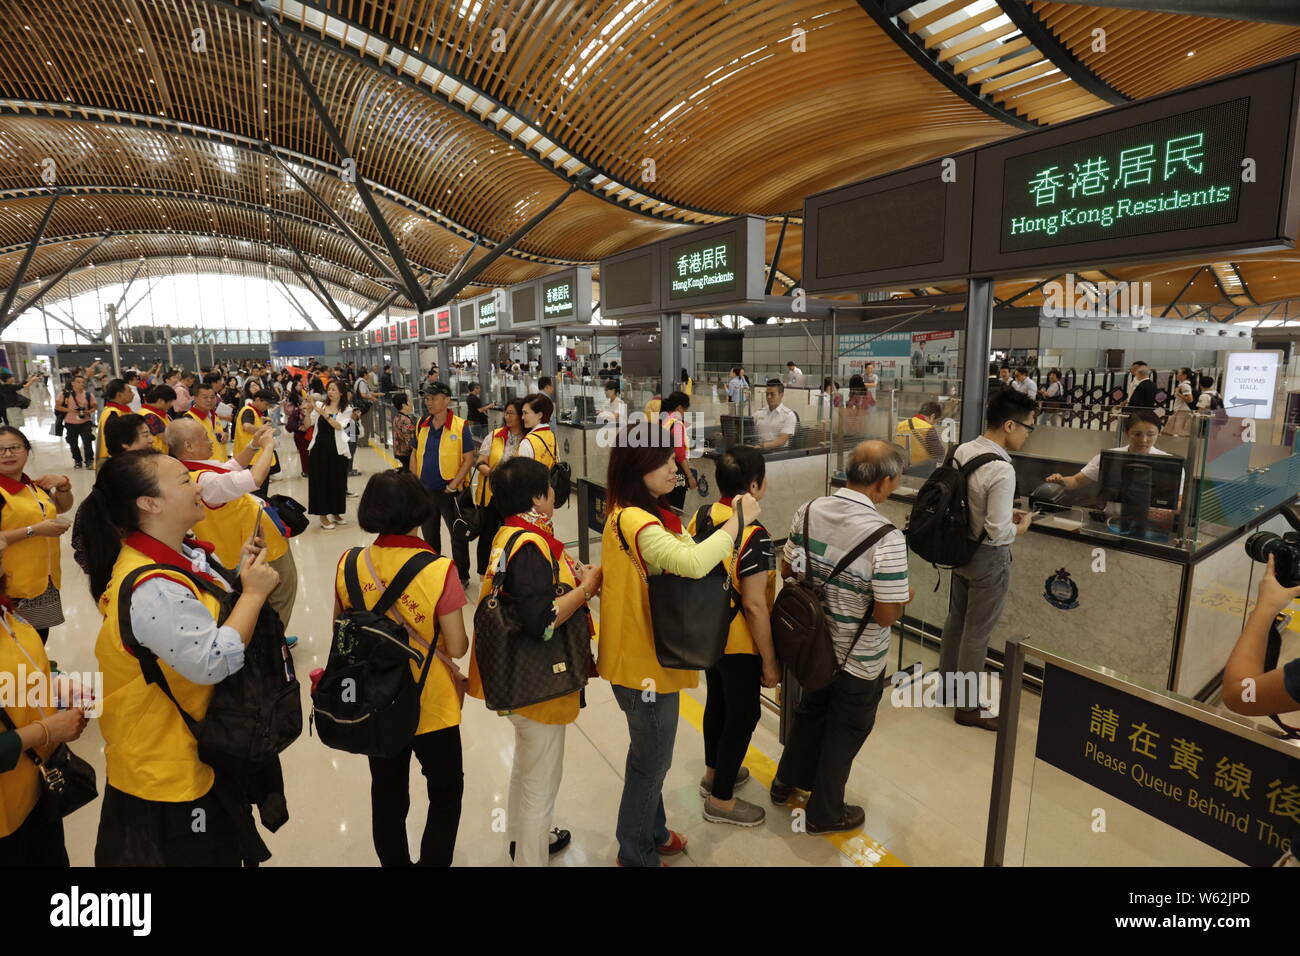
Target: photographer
x,y
1247,687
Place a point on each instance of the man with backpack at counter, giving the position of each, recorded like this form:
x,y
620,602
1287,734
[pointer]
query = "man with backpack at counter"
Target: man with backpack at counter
x,y
981,582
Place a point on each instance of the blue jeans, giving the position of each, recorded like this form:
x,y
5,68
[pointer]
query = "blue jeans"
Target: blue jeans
x,y
652,726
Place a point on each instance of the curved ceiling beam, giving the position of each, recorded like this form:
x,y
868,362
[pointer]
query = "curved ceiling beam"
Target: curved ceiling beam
x,y
149,192
677,213
192,233
80,113
1259,11
940,71
1029,23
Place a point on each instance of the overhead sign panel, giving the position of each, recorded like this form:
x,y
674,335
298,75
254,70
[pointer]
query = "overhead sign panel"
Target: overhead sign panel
x,y
493,311
437,324
523,305
715,264
466,319
629,283
1202,170
913,225
566,297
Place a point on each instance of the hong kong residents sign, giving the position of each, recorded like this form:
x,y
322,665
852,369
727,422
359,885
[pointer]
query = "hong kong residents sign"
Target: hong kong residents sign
x,y
1234,794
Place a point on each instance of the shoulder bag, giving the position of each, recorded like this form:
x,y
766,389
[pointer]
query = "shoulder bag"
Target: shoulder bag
x,y
518,671
690,617
69,781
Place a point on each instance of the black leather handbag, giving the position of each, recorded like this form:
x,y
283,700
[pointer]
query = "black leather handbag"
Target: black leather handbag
x,y
690,616
516,670
69,781
469,516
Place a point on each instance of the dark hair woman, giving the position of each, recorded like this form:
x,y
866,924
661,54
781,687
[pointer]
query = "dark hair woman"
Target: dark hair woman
x,y
498,447
523,495
136,516
77,403
393,507
297,419
539,440
1182,404
31,522
327,481
28,837
643,536
673,414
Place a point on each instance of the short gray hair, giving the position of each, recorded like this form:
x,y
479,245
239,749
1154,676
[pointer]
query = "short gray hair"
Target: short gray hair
x,y
873,461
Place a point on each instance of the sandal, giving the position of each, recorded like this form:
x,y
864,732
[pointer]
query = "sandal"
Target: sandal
x,y
326,525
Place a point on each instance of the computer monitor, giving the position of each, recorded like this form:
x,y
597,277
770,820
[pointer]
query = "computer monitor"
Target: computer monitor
x,y
1139,482
737,430
584,408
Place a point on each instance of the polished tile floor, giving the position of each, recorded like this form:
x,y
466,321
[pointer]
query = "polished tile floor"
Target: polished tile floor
x,y
925,782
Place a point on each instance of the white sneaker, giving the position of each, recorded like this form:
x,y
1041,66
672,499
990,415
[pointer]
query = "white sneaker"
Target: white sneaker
x,y
338,520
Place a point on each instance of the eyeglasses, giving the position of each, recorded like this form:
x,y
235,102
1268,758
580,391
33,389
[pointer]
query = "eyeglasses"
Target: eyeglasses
x,y
1023,425
12,449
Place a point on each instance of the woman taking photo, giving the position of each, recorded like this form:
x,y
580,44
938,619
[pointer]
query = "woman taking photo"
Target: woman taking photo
x,y
642,473
142,505
31,525
394,506
297,421
522,492
28,835
78,407
498,447
539,440
327,481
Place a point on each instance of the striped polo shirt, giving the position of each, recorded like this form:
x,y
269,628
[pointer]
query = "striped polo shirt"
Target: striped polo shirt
x,y
838,524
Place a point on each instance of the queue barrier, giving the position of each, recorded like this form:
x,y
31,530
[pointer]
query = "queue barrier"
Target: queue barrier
x,y
1125,774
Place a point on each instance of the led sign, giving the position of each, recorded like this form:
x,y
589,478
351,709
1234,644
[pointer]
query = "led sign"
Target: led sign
x,y
699,268
557,298
487,313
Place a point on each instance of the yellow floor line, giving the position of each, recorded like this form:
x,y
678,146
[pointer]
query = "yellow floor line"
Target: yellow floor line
x,y
858,846
383,453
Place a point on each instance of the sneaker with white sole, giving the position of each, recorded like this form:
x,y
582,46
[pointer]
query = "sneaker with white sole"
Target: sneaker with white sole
x,y
743,814
741,777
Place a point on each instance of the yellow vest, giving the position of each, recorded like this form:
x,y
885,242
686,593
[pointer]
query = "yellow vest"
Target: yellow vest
x,y
739,640
450,451
914,443
148,750
20,787
495,454
242,438
561,710
626,650
226,527
219,452
111,410
160,439
542,441
439,702
29,563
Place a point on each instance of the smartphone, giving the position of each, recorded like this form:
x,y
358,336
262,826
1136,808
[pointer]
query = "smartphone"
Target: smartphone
x,y
257,528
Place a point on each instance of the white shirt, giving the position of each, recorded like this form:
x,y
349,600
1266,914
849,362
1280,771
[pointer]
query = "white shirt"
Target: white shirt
x,y
771,422
794,378
135,399
735,389
344,418
1092,470
990,491
1027,387
615,411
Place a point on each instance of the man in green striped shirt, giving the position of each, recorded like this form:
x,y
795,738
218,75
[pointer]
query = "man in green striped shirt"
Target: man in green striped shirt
x,y
832,724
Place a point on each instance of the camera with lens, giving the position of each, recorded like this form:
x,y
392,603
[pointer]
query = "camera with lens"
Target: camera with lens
x,y
1285,549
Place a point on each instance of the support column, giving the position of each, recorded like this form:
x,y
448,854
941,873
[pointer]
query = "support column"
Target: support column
x,y
112,331
198,363
548,352
167,332
484,364
975,356
670,351
444,361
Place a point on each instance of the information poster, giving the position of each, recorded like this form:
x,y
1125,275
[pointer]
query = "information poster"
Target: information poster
x,y
1249,383
1229,792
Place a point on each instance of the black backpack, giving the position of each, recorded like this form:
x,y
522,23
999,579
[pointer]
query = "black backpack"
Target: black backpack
x,y
800,629
938,529
256,712
366,701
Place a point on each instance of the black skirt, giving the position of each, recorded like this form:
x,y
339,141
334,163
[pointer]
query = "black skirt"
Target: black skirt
x,y
327,481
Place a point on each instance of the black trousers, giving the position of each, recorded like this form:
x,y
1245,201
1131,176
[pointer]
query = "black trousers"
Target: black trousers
x,y
85,432
136,832
37,842
404,461
444,509
439,754
830,727
489,525
731,712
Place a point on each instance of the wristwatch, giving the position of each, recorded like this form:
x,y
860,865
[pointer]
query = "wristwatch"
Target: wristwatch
x,y
30,531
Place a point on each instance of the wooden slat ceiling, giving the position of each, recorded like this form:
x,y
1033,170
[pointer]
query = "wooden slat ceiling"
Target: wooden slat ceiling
x,y
459,139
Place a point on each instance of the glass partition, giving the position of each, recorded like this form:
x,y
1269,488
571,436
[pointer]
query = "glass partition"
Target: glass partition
x,y
1243,474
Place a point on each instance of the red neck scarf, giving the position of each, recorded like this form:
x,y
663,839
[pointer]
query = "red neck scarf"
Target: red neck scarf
x,y
15,485
726,501
160,553
402,541
671,520
124,409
